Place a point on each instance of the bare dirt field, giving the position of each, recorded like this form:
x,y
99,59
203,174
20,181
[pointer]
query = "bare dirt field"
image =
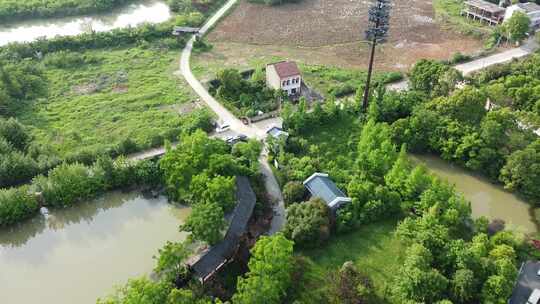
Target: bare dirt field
x,y
331,32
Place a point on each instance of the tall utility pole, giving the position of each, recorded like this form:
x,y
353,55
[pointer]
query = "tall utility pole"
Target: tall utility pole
x,y
379,16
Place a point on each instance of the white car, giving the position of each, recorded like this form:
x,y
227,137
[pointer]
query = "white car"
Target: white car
x,y
534,298
222,128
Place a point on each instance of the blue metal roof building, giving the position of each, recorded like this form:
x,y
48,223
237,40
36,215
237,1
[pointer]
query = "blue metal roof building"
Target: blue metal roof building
x,y
321,186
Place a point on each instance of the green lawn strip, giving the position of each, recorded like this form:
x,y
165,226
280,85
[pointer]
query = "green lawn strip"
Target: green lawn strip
x,y
136,99
373,248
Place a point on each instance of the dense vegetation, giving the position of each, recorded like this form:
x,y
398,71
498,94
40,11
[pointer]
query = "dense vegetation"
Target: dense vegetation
x,y
246,97
15,10
460,129
442,250
201,171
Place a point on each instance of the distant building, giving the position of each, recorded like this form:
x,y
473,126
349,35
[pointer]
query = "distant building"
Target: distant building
x,y
321,186
285,76
532,10
484,11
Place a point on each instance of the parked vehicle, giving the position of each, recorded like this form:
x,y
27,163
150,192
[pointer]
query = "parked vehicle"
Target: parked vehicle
x,y
231,140
222,128
534,298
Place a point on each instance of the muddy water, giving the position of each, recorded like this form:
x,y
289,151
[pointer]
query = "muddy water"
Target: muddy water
x,y
486,198
146,11
78,254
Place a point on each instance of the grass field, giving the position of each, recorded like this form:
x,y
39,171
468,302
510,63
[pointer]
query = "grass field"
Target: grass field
x,y
330,32
373,248
122,93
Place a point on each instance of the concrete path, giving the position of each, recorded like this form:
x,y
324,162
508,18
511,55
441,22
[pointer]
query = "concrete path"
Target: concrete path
x,y
236,125
479,64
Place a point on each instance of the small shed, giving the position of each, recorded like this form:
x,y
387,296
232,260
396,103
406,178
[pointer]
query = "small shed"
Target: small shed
x,y
277,133
320,185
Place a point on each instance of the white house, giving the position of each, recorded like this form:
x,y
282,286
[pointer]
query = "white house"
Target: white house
x,y
530,9
285,76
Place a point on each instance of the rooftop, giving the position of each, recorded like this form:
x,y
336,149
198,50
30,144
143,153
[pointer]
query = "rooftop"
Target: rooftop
x,y
529,7
286,69
485,6
277,132
219,254
320,185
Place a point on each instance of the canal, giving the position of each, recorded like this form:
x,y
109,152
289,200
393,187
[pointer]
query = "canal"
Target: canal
x,y
146,11
487,199
78,254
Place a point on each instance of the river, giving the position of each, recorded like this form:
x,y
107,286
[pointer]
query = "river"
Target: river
x,y
487,199
146,11
78,254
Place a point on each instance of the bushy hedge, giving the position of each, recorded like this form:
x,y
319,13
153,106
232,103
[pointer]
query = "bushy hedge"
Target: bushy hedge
x,y
69,184
16,204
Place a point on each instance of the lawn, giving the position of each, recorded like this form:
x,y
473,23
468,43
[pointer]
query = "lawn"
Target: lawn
x,y
115,94
373,248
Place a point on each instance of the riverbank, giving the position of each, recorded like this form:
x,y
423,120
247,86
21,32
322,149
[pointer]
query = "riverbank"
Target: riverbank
x,y
11,11
487,199
87,249
129,15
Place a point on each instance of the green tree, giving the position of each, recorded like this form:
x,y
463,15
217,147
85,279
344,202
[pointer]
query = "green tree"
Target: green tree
x,y
522,171
376,152
307,223
205,223
190,157
139,291
518,26
169,262
293,192
463,286
434,78
396,178
269,276
15,133
219,190
417,281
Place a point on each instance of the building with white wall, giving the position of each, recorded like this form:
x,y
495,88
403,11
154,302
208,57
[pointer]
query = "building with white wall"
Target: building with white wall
x,y
532,10
285,76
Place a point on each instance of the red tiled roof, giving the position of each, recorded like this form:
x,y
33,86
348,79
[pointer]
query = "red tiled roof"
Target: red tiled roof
x,y
286,69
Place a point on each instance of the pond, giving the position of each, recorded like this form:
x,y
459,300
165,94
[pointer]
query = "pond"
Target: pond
x,y
147,11
79,254
487,199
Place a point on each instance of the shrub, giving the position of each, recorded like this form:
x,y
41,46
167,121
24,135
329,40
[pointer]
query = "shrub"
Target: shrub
x,y
16,204
68,184
308,223
16,168
293,192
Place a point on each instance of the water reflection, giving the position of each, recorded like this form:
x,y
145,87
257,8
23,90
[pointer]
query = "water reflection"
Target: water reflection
x,y
85,249
147,11
487,199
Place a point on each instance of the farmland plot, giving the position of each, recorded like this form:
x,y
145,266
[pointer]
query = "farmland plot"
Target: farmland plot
x,y
331,32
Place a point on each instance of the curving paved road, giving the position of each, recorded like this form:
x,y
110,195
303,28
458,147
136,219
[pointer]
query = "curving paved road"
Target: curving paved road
x,y
252,131
529,47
